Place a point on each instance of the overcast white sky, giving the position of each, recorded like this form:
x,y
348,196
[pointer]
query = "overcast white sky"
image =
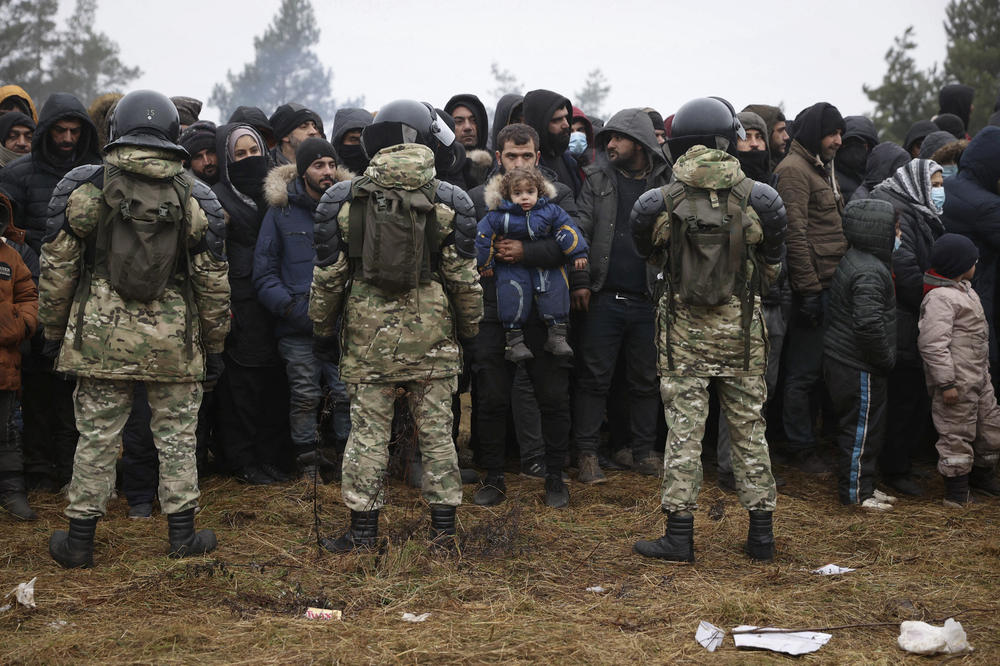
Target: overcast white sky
x,y
658,54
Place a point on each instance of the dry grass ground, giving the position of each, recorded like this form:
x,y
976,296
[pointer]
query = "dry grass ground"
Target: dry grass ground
x,y
515,594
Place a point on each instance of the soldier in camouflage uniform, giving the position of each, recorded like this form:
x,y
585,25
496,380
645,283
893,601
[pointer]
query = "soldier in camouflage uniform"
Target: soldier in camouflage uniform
x,y
171,343
725,344
398,342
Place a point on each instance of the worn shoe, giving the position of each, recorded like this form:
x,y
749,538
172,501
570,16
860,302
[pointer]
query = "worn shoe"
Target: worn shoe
x,y
517,351
623,458
74,548
310,463
277,474
677,543
589,471
984,479
534,469
956,491
16,504
140,511
904,484
874,504
556,343
650,465
809,462
492,492
362,535
556,492
184,540
253,476
760,537
726,481
609,464
442,534
884,497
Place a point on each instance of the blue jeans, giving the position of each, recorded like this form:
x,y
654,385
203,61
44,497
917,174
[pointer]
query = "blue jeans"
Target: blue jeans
x,y
304,373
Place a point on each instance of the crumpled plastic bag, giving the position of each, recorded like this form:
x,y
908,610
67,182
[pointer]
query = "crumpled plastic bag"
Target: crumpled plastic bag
x,y
410,617
922,638
25,593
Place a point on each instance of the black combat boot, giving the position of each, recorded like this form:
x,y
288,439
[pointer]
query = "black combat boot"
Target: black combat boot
x,y
442,533
184,541
677,544
984,479
492,492
14,496
760,538
517,351
363,534
556,343
956,491
74,548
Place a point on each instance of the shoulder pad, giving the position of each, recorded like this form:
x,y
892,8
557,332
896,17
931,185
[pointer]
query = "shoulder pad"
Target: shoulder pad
x,y
326,233
650,203
56,214
329,204
455,198
766,200
215,236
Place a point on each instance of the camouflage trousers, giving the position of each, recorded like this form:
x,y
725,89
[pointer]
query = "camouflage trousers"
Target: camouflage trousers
x,y
102,407
685,406
366,455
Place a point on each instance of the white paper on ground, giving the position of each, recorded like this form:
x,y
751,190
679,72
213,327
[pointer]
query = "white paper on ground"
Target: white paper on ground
x,y
923,638
709,635
410,617
25,593
597,588
779,640
832,570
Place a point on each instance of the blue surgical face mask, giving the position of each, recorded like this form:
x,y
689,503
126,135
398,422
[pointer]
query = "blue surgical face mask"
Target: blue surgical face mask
x,y
896,243
949,170
577,143
937,196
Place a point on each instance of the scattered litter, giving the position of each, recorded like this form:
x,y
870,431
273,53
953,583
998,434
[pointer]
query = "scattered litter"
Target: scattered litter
x,y
709,635
5,608
923,638
779,640
832,570
324,614
597,589
410,617
25,593
57,624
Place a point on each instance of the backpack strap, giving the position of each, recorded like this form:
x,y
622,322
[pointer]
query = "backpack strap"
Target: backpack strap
x,y
674,195
182,186
356,220
95,252
739,196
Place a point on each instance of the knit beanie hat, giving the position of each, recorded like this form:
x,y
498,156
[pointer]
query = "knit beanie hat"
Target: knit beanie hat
x,y
289,116
198,136
188,109
953,254
311,150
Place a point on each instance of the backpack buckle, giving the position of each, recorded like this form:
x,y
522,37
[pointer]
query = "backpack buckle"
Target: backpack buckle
x,y
380,203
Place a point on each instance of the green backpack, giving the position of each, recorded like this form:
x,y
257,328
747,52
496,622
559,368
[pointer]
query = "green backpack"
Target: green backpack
x,y
398,233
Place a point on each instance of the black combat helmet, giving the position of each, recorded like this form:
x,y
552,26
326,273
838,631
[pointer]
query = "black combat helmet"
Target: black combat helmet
x,y
405,121
706,121
146,118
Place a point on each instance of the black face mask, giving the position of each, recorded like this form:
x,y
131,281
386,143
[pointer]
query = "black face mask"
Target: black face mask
x,y
852,158
756,164
248,175
353,157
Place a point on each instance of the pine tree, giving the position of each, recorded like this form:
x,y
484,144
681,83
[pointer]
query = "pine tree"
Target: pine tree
x,y
285,68
907,94
506,82
595,90
973,30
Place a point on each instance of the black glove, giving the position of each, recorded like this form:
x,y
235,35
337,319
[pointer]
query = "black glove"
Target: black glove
x,y
50,348
214,367
809,310
326,348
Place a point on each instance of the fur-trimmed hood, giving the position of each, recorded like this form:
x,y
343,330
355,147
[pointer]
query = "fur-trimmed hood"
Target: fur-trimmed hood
x,y
280,183
493,197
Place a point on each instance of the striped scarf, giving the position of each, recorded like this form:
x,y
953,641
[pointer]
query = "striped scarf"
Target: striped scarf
x,y
912,184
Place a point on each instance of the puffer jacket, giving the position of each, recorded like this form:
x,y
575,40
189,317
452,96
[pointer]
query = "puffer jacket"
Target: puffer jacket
x,y
972,208
18,306
861,332
953,336
283,258
598,201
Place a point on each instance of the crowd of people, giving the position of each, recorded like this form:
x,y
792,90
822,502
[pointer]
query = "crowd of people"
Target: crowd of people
x,y
668,281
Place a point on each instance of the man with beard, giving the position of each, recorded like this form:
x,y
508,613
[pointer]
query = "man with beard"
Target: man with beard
x,y
347,126
549,114
620,312
777,130
252,395
283,265
292,124
64,139
859,139
472,131
199,141
16,130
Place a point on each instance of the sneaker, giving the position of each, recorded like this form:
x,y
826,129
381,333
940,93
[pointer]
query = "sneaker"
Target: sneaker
x,y
623,458
140,511
589,471
904,484
649,465
492,492
534,469
556,492
883,497
276,473
873,504
608,463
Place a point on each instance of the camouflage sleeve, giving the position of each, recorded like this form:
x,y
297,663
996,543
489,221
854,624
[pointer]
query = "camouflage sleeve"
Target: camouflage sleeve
x,y
57,282
461,281
326,296
210,283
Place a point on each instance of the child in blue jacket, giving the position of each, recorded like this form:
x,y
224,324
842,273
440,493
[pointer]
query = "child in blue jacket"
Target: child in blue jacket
x,y
520,210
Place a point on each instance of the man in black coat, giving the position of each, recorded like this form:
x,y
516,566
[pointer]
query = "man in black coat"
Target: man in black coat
x,y
550,114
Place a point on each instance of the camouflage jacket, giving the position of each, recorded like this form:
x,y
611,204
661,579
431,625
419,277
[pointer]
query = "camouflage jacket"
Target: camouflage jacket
x,y
390,337
119,339
707,341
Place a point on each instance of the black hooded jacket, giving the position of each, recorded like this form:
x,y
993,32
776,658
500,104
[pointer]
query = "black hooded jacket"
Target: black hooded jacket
x,y
30,180
883,161
254,116
472,103
251,341
917,132
957,99
501,116
852,158
539,105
